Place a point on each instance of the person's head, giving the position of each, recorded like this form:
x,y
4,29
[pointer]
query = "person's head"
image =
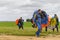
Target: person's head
x,y
39,11
20,17
55,15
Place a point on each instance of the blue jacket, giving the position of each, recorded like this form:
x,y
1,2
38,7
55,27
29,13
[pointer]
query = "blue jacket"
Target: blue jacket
x,y
37,18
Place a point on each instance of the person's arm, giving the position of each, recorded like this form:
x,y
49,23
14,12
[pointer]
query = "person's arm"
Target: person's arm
x,y
57,21
22,21
34,18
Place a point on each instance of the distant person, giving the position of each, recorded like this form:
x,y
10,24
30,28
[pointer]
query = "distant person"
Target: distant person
x,y
20,23
57,22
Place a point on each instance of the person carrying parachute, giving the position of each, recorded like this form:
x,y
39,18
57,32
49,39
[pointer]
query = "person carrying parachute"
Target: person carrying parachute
x,y
56,22
39,17
19,22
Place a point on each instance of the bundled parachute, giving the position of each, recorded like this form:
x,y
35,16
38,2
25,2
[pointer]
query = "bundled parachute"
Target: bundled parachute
x,y
51,23
46,25
17,21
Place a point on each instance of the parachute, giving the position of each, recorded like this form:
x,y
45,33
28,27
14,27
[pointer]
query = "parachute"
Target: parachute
x,y
46,25
17,21
53,22
43,25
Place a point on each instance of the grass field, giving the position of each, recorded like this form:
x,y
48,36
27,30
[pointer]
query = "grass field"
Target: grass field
x,y
10,28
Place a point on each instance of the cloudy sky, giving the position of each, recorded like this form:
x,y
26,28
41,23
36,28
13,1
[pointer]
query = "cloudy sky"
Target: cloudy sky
x,y
10,10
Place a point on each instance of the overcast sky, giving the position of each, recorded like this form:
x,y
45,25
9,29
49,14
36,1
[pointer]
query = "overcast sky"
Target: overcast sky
x,y
10,10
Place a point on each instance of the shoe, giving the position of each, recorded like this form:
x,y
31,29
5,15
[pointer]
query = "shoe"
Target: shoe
x,y
37,34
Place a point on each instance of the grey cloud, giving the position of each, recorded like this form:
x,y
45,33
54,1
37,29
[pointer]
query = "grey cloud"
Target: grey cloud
x,y
46,1
12,9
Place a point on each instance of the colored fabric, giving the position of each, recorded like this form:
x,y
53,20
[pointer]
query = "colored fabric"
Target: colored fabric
x,y
17,21
53,22
48,23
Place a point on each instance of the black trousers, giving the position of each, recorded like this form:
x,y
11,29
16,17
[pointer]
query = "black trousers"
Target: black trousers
x,y
20,26
56,26
46,29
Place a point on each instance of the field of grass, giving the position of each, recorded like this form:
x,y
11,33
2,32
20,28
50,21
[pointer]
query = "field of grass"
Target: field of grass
x,y
10,28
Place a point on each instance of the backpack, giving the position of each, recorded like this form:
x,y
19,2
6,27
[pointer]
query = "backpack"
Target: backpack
x,y
43,14
17,21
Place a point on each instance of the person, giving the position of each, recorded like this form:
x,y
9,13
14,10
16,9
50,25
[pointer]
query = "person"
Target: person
x,y
20,23
48,24
57,23
39,17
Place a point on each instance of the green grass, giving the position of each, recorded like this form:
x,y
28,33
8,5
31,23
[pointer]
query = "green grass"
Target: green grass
x,y
10,28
